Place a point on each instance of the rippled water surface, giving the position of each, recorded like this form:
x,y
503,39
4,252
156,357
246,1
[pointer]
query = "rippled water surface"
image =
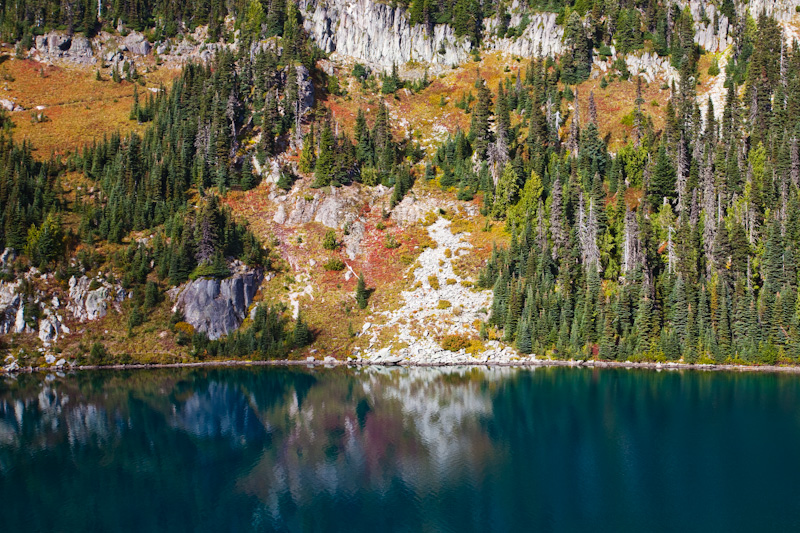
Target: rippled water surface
x,y
290,449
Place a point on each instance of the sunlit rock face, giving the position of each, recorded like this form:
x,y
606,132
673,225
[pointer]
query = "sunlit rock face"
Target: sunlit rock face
x,y
217,307
379,35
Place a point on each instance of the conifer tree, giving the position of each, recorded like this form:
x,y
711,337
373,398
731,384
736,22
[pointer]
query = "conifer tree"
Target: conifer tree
x,y
323,172
302,335
362,296
481,117
307,161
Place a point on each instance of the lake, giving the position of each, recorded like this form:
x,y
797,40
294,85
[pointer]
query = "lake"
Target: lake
x,y
400,449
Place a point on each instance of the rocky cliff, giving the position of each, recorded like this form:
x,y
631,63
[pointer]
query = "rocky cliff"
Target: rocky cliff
x,y
217,307
380,35
541,37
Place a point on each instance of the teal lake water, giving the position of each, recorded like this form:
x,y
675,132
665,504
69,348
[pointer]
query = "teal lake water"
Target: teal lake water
x,y
404,449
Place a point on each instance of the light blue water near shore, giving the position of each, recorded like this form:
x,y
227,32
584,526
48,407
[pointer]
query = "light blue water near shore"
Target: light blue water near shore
x,y
403,449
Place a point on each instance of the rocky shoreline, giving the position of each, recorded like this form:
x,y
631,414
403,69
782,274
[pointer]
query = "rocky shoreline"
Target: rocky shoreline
x,y
330,362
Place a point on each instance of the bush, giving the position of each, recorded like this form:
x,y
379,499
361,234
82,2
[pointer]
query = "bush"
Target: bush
x,y
329,241
285,181
444,304
391,242
454,343
713,70
335,264
622,67
218,268
136,318
360,72
433,281
185,328
98,354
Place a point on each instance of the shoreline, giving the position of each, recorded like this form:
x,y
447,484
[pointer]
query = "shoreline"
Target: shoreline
x,y
473,363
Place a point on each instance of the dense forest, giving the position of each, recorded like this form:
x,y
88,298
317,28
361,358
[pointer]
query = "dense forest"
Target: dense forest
x,y
681,244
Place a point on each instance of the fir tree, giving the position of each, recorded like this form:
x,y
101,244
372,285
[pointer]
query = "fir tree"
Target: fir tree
x,y
362,296
323,172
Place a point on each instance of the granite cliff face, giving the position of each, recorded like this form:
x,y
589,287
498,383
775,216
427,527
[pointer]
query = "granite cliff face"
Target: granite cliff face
x,y
541,37
217,307
379,35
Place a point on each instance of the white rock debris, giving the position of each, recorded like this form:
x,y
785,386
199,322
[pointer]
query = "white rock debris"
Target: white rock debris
x,y
420,320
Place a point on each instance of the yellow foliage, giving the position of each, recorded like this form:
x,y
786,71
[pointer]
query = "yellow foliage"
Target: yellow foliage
x,y
184,327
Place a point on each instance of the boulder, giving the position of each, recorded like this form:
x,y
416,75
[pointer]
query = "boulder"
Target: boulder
x,y
57,43
280,215
49,328
9,105
76,49
136,44
217,307
85,304
81,47
8,257
10,303
96,306
352,241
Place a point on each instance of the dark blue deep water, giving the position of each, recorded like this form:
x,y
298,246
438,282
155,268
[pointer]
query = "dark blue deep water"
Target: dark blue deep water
x,y
417,450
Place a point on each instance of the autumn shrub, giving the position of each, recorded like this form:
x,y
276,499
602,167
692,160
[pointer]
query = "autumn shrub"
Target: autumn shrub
x,y
334,264
454,343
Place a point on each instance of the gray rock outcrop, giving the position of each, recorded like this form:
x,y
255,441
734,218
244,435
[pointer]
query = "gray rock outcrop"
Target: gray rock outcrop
x,y
651,67
87,303
713,30
76,49
305,89
136,44
49,328
380,35
7,257
10,307
217,307
10,105
541,37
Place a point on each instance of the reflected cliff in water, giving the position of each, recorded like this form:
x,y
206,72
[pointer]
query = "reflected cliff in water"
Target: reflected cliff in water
x,y
402,449
280,437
